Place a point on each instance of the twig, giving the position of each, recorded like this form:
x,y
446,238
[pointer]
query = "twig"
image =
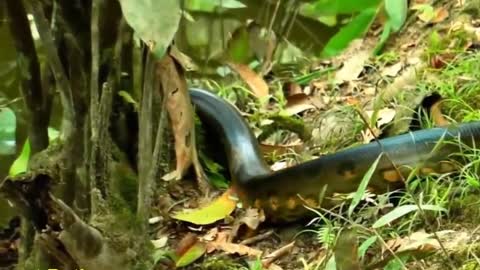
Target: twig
x,y
270,258
256,238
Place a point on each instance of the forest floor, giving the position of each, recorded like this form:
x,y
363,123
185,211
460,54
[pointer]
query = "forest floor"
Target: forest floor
x,y
434,58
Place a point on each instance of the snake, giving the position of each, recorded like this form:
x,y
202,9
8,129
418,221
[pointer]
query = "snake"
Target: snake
x,y
283,194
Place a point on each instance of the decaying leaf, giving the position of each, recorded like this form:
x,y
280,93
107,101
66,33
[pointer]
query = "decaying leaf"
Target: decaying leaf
x,y
429,14
352,67
222,243
393,70
217,210
383,117
181,114
256,83
298,103
281,149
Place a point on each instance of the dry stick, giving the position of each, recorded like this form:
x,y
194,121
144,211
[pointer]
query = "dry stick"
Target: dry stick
x,y
417,203
270,258
145,140
256,238
66,95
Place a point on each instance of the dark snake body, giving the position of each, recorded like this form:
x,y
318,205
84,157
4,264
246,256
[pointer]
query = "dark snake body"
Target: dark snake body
x,y
283,194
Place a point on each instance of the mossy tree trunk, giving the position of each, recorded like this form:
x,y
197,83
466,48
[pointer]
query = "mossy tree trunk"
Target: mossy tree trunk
x,y
78,198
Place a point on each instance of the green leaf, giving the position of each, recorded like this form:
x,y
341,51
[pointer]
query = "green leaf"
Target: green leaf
x,y
210,6
402,211
355,29
238,49
397,13
128,98
362,250
335,7
217,210
192,254
21,163
156,22
387,29
8,126
363,186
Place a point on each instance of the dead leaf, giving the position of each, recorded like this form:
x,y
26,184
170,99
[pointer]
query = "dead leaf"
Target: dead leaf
x,y
281,149
352,68
393,70
429,14
292,88
160,242
222,243
256,83
384,116
440,15
217,210
239,249
180,110
298,103
252,218
184,60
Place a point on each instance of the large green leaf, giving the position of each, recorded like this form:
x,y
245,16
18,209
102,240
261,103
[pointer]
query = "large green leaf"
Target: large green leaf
x,y
8,126
354,29
397,13
156,22
320,8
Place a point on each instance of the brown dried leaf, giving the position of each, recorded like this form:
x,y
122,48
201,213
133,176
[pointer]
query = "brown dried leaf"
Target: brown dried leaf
x,y
256,83
298,103
180,110
440,15
281,149
222,243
